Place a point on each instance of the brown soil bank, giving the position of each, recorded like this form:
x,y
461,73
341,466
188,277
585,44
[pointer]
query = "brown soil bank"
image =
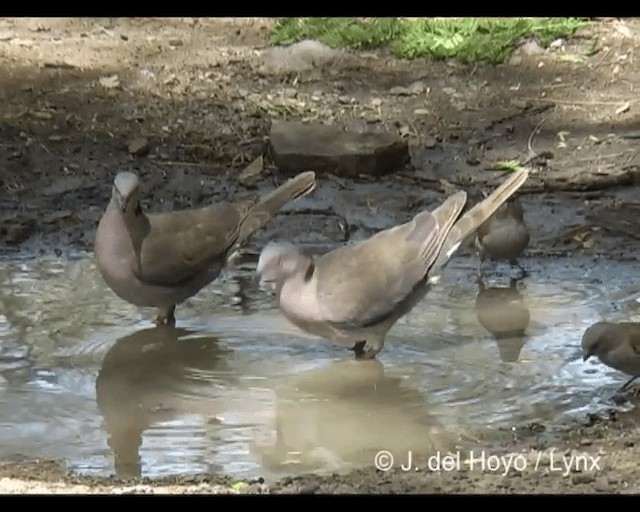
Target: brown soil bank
x,y
188,103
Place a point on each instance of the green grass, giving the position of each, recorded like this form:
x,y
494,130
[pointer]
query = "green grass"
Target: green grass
x,y
465,39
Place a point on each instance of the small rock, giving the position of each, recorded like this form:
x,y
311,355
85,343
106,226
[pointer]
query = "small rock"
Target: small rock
x,y
582,478
124,37
250,176
557,44
290,92
530,47
346,100
399,91
139,146
515,59
601,485
308,488
175,42
521,104
43,116
586,442
430,142
473,156
302,56
421,112
329,149
417,87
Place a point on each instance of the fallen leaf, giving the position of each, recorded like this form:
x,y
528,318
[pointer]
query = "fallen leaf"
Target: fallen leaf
x,y
109,82
623,108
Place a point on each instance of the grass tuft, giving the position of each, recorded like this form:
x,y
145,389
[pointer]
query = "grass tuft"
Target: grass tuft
x,y
465,39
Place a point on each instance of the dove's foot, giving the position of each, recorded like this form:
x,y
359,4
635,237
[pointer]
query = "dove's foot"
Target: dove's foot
x,y
166,317
365,350
523,272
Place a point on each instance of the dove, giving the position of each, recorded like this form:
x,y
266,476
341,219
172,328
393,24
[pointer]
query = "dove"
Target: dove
x,y
504,236
162,259
354,294
616,345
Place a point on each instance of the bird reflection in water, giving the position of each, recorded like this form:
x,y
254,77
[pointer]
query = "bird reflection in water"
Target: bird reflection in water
x,y
502,311
340,416
141,382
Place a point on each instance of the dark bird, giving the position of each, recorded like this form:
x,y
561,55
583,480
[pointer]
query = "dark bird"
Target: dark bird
x,y
504,236
616,345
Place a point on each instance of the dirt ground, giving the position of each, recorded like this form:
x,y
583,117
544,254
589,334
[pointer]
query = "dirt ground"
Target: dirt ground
x,y
187,103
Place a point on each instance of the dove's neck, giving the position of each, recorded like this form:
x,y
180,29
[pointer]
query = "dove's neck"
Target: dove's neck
x,y
298,297
138,226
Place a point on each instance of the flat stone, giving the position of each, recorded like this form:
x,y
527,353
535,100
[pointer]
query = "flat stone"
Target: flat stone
x,y
139,147
296,146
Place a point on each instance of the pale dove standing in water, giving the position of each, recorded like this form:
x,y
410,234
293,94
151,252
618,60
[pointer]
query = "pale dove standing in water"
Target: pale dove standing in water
x,y
161,259
353,295
504,236
616,345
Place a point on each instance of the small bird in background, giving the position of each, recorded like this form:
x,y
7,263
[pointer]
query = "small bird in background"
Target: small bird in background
x,y
161,259
504,236
353,295
616,345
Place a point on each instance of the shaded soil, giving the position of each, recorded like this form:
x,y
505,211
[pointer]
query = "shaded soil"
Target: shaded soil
x,y
195,97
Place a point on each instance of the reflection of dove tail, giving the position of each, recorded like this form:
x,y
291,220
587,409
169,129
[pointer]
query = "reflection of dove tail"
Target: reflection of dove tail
x,y
473,218
270,204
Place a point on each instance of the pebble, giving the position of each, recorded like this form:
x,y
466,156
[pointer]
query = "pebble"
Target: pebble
x,y
139,146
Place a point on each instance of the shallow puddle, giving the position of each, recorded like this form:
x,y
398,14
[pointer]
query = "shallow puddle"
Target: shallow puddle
x,y
86,378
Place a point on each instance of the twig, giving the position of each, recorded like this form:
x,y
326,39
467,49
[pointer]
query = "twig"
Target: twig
x,y
186,164
606,54
532,153
582,103
604,157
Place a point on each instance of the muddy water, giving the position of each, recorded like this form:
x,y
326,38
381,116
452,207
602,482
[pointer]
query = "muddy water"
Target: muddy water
x,y
87,378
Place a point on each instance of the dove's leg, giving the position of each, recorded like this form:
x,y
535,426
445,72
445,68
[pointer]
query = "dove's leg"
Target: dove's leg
x,y
626,384
479,273
368,349
165,316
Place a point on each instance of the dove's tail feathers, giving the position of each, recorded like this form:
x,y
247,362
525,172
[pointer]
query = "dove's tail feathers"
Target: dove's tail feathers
x,y
270,204
473,218
445,216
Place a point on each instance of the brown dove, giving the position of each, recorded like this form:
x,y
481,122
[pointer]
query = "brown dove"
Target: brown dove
x,y
616,345
504,236
353,295
161,259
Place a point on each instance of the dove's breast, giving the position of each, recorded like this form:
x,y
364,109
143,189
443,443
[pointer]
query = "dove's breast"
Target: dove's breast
x,y
115,255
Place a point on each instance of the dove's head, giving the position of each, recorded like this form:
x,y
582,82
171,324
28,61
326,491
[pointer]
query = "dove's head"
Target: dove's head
x,y
125,193
600,338
281,261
